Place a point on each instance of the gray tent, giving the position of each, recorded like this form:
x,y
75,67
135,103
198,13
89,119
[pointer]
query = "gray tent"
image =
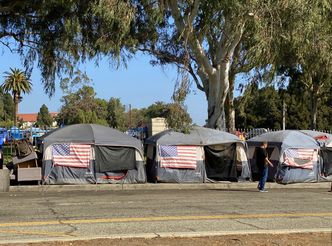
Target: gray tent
x,y
90,153
293,153
325,142
200,156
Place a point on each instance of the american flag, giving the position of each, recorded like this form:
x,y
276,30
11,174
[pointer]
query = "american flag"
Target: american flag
x,y
303,158
71,155
178,156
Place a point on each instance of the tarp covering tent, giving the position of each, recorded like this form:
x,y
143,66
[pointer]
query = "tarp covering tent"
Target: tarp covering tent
x,y
293,154
325,142
203,155
90,153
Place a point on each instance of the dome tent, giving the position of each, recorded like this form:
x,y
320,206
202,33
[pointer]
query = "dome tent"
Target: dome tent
x,y
107,156
200,156
293,154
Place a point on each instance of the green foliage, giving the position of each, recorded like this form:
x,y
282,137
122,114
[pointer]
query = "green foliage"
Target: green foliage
x,y
262,108
259,108
57,35
8,103
6,124
304,45
324,114
17,83
196,36
158,109
116,114
82,107
175,114
177,118
44,118
135,118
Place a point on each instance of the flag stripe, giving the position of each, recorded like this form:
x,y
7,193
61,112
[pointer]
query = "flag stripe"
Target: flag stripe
x,y
178,157
179,161
303,158
71,155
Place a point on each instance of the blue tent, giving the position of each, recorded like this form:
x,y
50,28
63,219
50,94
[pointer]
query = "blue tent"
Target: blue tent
x,y
3,135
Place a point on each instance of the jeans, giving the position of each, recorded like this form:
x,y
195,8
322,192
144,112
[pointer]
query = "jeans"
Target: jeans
x,y
263,178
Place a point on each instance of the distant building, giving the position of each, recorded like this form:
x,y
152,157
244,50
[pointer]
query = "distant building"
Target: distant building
x,y
156,125
29,120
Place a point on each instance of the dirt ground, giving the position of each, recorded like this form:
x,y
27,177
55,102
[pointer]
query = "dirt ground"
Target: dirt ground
x,y
311,239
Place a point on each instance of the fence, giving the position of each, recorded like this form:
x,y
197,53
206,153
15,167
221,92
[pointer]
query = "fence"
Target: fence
x,y
253,132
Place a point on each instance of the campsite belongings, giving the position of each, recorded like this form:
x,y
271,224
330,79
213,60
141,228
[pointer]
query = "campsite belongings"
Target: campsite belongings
x,y
293,154
24,165
90,153
203,155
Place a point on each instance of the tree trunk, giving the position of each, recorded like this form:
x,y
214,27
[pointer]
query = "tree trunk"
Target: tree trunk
x,y
216,114
15,110
218,90
230,104
313,101
213,68
313,110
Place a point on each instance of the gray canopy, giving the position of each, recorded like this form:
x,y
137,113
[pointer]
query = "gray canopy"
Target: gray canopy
x,y
219,157
321,137
91,134
285,139
114,158
198,136
281,141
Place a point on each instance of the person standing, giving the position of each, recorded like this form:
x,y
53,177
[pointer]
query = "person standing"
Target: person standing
x,y
263,164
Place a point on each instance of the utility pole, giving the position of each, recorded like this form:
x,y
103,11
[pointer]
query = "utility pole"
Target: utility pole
x,y
284,114
129,115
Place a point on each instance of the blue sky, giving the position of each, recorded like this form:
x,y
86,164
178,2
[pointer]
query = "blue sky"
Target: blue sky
x,y
140,85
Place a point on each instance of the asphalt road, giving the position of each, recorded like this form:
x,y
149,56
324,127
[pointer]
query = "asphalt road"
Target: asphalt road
x,y
50,215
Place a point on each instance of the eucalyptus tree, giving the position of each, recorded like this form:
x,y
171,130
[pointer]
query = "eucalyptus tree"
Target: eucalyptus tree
x,y
305,45
205,38
17,83
58,35
314,54
199,36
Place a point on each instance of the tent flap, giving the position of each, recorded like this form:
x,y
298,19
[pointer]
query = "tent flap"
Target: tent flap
x,y
221,162
111,159
327,162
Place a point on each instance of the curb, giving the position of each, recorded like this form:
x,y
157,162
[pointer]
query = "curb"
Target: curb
x,y
173,235
150,186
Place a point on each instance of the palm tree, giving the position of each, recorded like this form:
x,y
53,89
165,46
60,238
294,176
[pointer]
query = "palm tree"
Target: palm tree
x,y
16,83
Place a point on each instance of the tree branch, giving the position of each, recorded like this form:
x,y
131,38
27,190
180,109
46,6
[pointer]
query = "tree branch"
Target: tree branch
x,y
168,57
17,38
198,85
174,59
7,45
193,13
188,32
